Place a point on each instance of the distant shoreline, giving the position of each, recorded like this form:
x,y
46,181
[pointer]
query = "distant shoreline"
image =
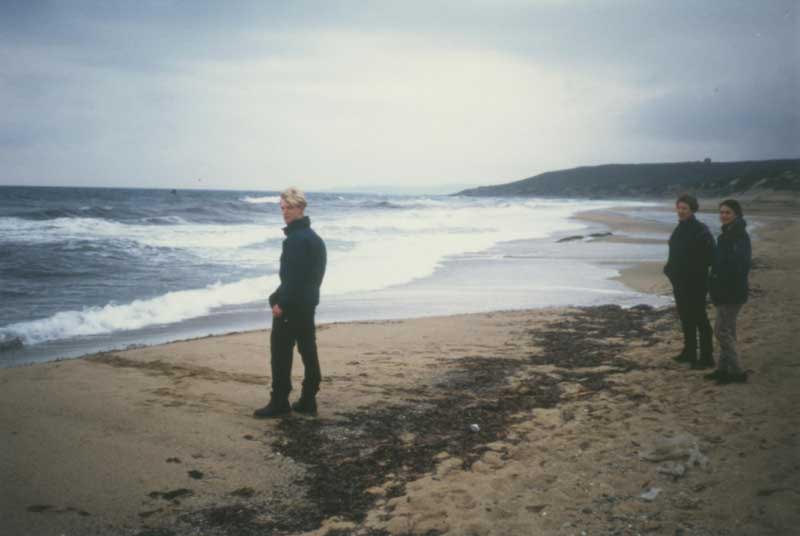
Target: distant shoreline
x,y
660,180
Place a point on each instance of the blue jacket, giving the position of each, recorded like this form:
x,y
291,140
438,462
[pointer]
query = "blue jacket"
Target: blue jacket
x,y
303,260
728,280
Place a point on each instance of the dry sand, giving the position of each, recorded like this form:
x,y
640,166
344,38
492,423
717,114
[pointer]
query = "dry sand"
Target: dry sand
x,y
159,441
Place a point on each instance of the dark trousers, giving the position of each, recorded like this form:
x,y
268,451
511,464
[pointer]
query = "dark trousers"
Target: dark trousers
x,y
294,326
691,301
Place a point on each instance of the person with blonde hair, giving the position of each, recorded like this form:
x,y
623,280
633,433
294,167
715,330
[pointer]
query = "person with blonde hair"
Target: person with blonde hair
x,y
294,303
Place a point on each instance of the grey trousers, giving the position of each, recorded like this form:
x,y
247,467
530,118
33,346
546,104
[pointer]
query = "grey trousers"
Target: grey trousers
x,y
725,331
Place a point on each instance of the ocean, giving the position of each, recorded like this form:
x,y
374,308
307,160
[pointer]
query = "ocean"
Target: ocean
x,y
89,269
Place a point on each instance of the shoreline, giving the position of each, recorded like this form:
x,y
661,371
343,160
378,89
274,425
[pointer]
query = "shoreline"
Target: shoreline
x,y
255,319
643,276
159,440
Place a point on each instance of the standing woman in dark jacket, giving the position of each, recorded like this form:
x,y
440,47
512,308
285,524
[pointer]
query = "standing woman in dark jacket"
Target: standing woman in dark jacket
x,y
728,287
293,305
691,250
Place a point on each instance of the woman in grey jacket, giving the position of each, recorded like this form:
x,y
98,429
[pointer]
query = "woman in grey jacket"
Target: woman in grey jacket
x,y
728,286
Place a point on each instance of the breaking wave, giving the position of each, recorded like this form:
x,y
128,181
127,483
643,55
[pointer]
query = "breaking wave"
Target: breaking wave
x,y
273,199
166,309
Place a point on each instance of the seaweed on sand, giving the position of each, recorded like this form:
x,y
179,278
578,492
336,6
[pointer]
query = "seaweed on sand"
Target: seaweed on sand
x,y
388,446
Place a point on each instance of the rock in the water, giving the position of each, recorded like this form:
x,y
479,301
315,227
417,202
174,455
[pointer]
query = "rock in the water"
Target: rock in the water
x,y
570,238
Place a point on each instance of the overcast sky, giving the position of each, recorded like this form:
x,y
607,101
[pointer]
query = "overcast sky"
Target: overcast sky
x,y
423,94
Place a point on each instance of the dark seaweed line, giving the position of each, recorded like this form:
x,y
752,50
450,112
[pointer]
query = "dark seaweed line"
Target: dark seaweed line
x,y
347,456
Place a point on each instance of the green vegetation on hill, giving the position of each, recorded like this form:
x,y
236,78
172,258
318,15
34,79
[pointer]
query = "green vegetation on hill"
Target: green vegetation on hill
x,y
643,180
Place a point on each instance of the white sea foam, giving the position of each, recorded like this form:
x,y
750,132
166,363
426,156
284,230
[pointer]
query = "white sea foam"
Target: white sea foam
x,y
166,309
274,199
202,237
376,248
420,201
397,247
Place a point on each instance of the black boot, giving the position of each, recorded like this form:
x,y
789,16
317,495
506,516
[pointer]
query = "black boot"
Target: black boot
x,y
716,375
683,357
307,404
275,408
736,377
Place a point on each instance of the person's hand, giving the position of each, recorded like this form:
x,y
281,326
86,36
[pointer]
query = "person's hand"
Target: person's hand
x,y
277,311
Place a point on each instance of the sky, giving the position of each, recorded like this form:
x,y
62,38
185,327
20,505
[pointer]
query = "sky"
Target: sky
x,y
426,95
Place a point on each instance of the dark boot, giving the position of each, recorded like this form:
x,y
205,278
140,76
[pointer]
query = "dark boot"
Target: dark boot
x,y
683,357
276,407
716,375
737,377
307,404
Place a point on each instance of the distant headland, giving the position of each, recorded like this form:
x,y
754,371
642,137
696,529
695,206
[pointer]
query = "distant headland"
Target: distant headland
x,y
649,180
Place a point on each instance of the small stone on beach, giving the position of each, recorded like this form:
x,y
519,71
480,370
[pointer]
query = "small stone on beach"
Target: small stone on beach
x,y
650,494
673,469
243,492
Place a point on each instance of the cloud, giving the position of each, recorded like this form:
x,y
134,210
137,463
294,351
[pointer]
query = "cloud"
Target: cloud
x,y
252,94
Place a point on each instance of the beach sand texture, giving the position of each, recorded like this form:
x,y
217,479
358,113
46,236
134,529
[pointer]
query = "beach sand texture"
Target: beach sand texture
x,y
160,440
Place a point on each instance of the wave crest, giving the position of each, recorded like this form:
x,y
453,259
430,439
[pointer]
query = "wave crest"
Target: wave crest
x,y
166,309
274,199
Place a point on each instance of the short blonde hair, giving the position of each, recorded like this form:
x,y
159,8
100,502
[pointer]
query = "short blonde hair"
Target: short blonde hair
x,y
294,197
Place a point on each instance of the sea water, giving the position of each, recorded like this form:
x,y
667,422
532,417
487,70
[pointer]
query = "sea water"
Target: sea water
x,y
83,269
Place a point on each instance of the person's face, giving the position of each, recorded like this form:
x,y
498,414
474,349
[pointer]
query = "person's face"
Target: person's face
x,y
683,211
726,214
290,213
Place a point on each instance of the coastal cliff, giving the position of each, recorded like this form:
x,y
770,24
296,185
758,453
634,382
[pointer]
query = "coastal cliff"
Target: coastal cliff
x,y
648,180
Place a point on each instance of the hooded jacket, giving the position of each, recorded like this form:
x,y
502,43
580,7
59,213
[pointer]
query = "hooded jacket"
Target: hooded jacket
x,y
691,252
303,260
728,281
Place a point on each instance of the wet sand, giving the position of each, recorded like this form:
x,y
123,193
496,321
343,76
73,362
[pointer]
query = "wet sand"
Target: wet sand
x,y
160,441
645,277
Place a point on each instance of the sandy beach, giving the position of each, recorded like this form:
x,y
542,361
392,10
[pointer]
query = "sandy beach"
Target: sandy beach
x,y
555,421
